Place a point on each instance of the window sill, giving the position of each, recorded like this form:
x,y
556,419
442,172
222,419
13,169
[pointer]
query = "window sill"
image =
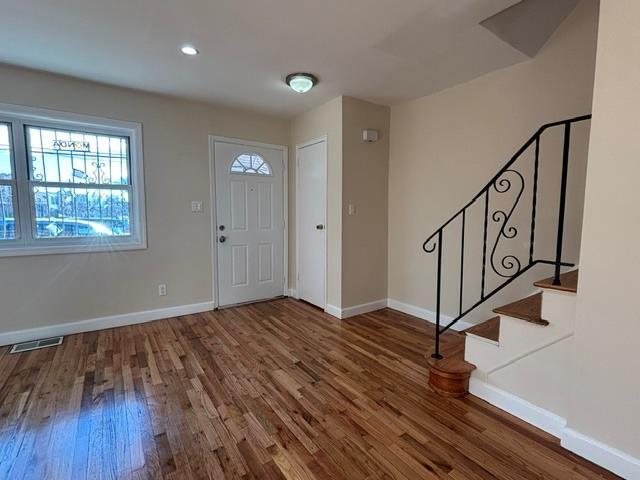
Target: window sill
x,y
49,249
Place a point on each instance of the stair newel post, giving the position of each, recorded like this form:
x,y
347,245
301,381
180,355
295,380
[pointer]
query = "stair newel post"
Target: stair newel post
x,y
563,201
438,285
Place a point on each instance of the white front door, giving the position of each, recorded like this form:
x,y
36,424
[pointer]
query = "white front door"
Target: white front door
x,y
311,222
250,226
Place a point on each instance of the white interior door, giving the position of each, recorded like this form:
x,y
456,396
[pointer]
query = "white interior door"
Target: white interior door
x,y
249,196
311,222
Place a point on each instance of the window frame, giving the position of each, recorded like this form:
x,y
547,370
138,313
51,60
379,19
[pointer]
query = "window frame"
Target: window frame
x,y
13,183
20,117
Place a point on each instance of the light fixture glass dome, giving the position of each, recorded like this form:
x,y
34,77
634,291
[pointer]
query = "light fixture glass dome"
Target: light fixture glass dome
x,y
301,82
189,50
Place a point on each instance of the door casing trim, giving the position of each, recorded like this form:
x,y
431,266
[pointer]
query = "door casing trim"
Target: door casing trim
x,y
213,139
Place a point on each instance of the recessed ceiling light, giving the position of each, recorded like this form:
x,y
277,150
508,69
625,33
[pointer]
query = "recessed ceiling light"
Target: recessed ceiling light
x,y
189,50
301,82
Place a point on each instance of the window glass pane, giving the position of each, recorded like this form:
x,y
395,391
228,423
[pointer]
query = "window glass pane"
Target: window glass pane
x,y
7,214
77,157
6,171
81,212
251,164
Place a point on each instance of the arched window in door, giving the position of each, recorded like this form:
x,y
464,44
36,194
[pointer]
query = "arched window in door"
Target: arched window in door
x,y
251,164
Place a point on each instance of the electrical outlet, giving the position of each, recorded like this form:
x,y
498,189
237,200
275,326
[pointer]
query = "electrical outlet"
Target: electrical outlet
x,y
162,290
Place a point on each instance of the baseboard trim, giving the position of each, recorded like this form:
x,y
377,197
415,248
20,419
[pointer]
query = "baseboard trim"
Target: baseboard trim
x,y
418,312
593,450
364,308
333,311
101,323
530,413
425,314
361,309
602,454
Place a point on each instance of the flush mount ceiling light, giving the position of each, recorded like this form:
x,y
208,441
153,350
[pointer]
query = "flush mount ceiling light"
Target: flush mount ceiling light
x,y
189,50
301,82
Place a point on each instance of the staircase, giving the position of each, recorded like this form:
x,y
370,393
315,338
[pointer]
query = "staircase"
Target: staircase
x,y
526,331
540,322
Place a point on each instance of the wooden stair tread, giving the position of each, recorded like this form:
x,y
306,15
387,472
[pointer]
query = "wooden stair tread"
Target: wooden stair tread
x,y
489,329
451,365
528,309
569,282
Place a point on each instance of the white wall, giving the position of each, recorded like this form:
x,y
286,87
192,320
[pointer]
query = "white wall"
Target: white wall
x,y
365,168
606,387
325,120
46,290
357,174
446,147
460,136
40,291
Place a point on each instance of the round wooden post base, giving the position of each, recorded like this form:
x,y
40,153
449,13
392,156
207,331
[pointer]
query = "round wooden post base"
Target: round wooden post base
x,y
450,377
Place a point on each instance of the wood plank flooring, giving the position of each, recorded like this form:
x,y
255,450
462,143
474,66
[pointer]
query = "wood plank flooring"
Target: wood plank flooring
x,y
273,390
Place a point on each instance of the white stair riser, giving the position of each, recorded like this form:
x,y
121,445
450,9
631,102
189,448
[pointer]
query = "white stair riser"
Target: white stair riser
x,y
481,353
559,308
518,336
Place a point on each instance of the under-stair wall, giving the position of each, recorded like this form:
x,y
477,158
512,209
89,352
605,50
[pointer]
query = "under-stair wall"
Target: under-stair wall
x,y
530,361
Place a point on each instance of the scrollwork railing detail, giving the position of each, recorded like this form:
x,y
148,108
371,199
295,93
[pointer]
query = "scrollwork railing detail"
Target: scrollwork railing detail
x,y
510,263
506,267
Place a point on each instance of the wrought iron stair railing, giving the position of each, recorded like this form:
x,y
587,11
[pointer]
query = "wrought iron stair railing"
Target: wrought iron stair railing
x,y
510,266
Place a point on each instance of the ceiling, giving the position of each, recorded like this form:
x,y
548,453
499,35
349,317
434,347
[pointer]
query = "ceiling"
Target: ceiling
x,y
386,51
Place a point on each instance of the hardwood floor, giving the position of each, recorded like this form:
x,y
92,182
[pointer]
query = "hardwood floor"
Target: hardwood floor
x,y
272,390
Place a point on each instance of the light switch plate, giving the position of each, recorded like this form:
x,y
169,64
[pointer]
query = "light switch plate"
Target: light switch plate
x,y
352,209
196,206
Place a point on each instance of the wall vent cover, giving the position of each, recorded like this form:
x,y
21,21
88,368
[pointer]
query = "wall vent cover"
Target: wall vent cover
x,y
36,344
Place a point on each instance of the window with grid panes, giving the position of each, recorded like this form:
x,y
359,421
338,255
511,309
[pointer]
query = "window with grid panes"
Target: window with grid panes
x,y
69,183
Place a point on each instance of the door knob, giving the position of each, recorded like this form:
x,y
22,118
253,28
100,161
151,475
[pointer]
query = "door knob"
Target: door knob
x,y
320,227
222,239
221,227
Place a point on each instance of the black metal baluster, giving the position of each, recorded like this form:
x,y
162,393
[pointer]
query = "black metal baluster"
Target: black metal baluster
x,y
484,245
563,200
464,217
535,199
439,283
508,262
